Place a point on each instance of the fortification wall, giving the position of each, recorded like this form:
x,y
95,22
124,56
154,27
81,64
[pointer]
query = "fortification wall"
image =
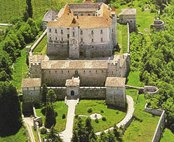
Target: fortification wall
x,y
92,92
60,92
88,77
159,128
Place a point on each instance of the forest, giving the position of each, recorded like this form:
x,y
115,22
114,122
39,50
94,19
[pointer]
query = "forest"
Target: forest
x,y
155,60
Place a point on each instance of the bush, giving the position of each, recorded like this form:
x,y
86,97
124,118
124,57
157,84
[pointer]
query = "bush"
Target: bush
x,y
63,116
117,112
96,120
104,118
76,116
43,131
90,110
102,111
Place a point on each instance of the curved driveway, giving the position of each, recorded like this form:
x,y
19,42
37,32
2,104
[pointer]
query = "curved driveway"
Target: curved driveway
x,y
127,119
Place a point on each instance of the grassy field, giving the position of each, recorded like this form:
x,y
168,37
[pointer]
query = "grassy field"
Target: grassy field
x,y
122,37
143,126
41,47
168,136
10,9
61,108
113,116
20,136
20,70
134,79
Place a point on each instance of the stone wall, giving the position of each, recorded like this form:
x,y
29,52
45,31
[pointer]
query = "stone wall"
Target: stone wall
x,y
92,92
159,128
161,122
157,112
60,92
88,77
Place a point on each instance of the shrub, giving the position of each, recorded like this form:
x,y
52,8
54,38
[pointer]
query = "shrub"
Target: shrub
x,y
90,110
117,112
96,120
76,116
102,111
104,118
43,131
63,116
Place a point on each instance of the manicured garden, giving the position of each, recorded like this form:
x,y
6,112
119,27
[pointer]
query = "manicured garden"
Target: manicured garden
x,y
20,136
88,107
61,109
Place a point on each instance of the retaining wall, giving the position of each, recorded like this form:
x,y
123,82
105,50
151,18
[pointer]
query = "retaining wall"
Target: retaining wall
x,y
159,128
161,122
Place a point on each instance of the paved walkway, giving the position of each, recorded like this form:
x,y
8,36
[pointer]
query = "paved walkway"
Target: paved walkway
x,y
28,122
128,117
66,135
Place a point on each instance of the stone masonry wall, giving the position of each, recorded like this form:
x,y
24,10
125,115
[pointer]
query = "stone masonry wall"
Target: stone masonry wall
x,y
92,92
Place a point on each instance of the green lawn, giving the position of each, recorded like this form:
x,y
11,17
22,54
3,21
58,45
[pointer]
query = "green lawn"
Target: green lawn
x,y
20,69
122,37
41,47
61,108
143,126
20,136
113,116
168,136
134,79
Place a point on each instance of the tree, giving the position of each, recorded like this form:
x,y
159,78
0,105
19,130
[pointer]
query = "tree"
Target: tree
x,y
44,93
75,136
10,112
50,116
54,136
51,97
29,8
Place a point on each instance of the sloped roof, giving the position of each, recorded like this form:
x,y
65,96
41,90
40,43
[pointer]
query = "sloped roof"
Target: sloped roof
x,y
115,82
128,11
50,15
66,18
31,82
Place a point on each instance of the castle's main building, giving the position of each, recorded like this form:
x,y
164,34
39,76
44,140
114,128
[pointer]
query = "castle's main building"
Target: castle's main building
x,y
83,30
80,33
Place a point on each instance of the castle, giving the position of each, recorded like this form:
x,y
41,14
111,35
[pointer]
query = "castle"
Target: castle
x,y
80,62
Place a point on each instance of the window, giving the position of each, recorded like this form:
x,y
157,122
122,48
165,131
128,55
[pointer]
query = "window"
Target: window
x,y
81,39
81,32
55,30
50,30
55,71
61,39
101,39
92,32
81,14
67,35
56,38
101,31
92,40
50,38
61,31
89,14
73,34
